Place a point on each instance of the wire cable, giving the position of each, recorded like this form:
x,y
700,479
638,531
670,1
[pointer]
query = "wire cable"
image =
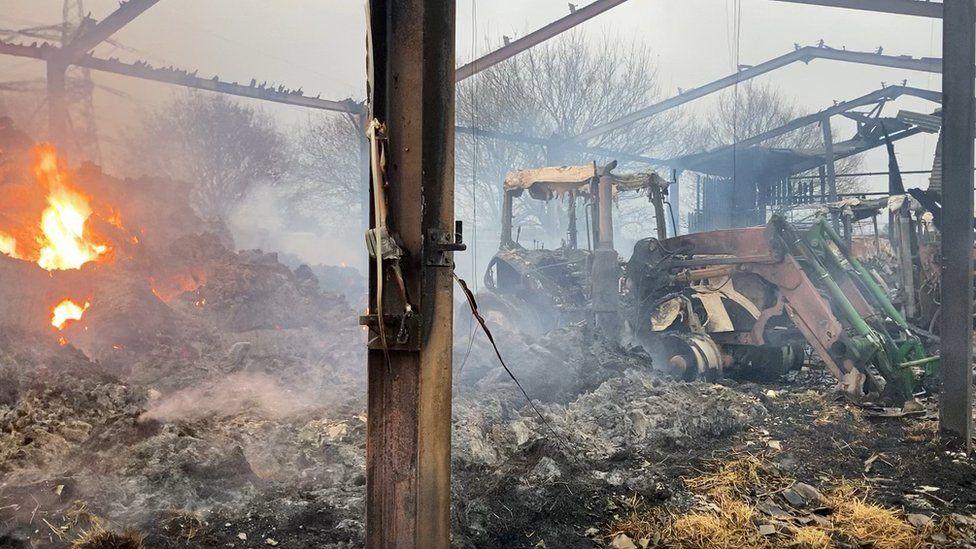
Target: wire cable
x,y
474,178
491,339
475,151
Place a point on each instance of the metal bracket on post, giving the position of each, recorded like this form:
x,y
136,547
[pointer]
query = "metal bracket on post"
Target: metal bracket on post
x,y
402,331
442,245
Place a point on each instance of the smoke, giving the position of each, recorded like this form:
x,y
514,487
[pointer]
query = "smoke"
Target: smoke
x,y
261,220
254,394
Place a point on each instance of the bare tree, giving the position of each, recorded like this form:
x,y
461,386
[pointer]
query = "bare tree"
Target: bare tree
x,y
749,110
324,182
221,147
554,91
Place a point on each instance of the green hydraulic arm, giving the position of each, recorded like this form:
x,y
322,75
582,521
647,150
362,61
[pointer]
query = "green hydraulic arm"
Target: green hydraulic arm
x,y
910,350
866,345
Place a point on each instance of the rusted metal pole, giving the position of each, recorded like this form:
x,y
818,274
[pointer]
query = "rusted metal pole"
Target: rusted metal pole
x,y
606,269
507,213
958,123
606,213
408,448
571,233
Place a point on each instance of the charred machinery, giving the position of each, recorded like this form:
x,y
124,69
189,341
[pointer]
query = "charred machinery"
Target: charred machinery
x,y
539,289
753,297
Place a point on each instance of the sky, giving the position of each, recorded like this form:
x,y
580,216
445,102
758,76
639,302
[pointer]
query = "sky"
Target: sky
x,y
319,45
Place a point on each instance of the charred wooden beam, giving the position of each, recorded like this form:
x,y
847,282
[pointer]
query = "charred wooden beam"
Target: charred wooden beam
x,y
190,80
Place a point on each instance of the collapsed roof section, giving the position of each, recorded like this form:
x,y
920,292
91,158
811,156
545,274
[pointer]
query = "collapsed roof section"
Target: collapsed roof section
x,y
751,160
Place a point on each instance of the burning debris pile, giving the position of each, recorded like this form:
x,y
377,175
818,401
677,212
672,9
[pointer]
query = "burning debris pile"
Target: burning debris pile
x,y
148,367
124,270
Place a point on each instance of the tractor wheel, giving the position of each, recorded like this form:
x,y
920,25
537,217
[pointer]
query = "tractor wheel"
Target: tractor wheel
x,y
766,363
687,356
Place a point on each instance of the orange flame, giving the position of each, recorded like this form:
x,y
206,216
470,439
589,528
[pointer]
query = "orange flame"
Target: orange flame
x,y
61,238
8,245
65,311
64,244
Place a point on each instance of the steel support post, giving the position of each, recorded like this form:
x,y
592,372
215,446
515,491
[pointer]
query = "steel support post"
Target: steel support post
x,y
408,443
903,226
828,140
674,198
572,234
606,268
507,211
958,124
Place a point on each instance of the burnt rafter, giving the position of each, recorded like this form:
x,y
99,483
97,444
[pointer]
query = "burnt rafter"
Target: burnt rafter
x,y
515,47
875,99
776,162
772,163
181,77
78,52
920,8
94,34
861,142
800,54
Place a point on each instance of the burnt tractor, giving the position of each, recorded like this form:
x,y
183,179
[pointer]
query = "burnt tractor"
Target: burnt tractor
x,y
750,298
534,289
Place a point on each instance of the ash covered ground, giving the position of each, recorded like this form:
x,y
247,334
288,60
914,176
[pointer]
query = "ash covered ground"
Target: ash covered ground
x,y
230,412
226,450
